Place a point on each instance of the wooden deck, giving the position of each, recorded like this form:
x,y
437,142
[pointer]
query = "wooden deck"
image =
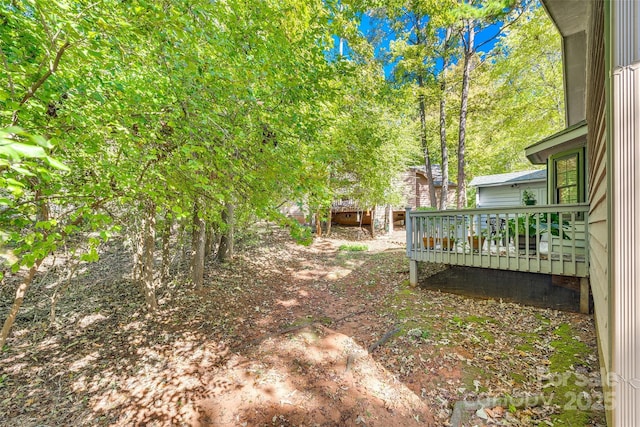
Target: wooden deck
x,y
555,244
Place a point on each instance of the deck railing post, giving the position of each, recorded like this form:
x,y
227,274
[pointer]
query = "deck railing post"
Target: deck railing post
x,y
408,227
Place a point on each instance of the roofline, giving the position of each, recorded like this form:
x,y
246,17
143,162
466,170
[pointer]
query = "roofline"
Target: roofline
x,y
497,184
540,151
546,9
435,184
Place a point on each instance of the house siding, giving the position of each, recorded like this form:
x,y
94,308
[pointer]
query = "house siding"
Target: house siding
x,y
597,185
626,241
408,185
415,190
624,236
506,195
422,191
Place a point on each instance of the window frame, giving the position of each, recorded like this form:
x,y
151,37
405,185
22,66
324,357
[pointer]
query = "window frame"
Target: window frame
x,y
579,153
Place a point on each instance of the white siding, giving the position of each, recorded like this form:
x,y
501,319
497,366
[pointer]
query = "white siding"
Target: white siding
x,y
506,195
625,244
625,212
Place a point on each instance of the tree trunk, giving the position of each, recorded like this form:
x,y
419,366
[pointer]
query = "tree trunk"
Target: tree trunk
x,y
461,199
390,218
43,207
444,193
329,222
373,222
199,244
166,246
225,249
318,225
210,240
60,290
17,303
183,243
423,130
137,244
425,148
148,248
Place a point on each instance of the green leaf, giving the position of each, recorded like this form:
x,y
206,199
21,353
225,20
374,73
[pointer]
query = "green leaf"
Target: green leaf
x,y
56,164
27,151
39,140
18,168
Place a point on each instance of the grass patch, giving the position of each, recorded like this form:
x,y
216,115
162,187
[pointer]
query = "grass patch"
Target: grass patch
x,y
488,336
544,320
473,376
527,348
518,377
411,311
354,248
479,319
569,390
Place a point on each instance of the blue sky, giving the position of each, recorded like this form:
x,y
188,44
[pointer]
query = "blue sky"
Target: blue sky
x,y
368,25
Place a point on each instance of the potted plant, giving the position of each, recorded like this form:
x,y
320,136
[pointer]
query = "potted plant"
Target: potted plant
x,y
534,225
430,239
528,198
524,226
552,223
446,242
429,242
476,241
449,241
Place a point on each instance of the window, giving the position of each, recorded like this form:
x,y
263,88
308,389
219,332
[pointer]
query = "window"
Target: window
x,y
568,175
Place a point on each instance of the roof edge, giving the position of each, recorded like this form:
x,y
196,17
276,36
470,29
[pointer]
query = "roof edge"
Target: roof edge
x,y
541,150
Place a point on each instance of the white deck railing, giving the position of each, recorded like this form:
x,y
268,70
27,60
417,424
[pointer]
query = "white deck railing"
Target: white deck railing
x,y
541,239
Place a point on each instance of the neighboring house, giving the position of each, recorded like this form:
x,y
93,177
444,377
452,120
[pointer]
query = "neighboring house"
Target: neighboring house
x,y
294,211
593,185
347,212
508,189
416,187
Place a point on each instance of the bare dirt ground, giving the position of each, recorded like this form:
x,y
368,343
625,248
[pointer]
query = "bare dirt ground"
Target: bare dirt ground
x,y
286,335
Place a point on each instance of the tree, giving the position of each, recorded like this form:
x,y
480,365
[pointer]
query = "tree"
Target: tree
x,y
415,49
475,16
517,96
153,120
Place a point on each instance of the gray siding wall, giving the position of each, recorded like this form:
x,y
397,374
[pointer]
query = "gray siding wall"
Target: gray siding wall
x,y
597,187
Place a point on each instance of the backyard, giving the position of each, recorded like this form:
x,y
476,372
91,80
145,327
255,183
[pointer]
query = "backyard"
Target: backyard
x,y
287,335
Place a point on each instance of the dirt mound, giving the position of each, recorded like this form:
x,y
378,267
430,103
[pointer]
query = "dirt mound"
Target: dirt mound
x,y
314,376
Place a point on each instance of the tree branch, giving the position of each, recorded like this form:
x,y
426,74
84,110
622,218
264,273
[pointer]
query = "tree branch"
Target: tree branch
x,y
504,27
52,69
9,79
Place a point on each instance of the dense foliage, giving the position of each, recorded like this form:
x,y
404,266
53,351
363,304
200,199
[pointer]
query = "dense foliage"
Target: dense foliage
x,y
485,78
135,116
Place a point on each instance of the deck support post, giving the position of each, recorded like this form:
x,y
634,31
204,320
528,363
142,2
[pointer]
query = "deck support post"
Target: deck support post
x,y
584,295
407,224
413,272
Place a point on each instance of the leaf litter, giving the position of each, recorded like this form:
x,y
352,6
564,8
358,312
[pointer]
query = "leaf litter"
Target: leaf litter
x,y
287,335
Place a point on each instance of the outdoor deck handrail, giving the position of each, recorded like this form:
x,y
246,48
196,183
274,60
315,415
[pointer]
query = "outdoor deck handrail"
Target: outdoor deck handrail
x,y
554,238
